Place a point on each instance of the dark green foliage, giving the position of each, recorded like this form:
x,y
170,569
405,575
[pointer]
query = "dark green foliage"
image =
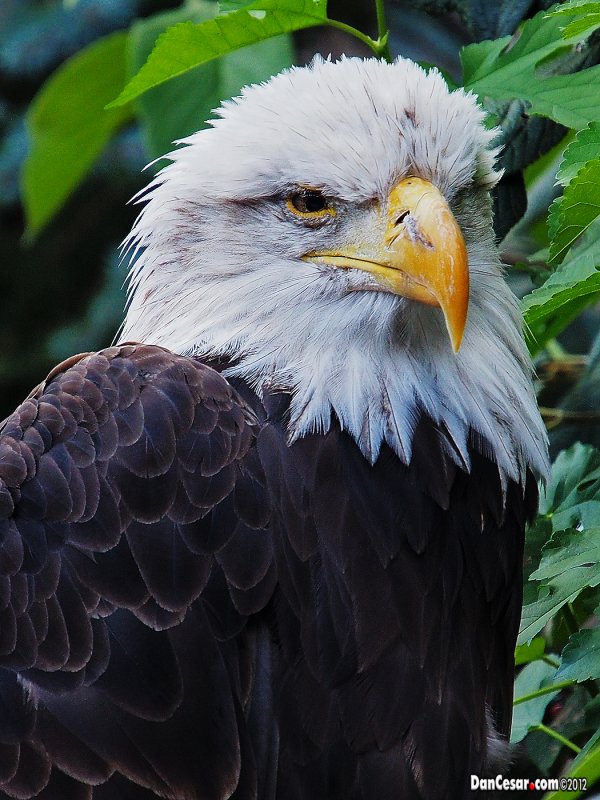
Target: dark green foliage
x,y
524,139
578,404
48,285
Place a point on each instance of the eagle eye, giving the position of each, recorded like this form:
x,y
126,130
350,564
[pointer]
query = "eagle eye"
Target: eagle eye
x,y
309,204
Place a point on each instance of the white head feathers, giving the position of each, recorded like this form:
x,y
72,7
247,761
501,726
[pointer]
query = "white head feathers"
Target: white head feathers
x,y
219,268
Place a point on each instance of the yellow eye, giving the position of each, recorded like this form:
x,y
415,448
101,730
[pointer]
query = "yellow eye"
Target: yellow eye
x,y
309,204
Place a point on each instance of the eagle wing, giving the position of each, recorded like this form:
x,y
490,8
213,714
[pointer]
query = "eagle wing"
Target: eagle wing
x,y
112,475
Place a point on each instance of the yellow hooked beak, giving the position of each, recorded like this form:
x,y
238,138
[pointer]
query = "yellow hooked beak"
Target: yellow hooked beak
x,y
422,255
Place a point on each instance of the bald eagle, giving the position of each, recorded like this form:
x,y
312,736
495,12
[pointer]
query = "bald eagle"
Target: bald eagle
x,y
270,545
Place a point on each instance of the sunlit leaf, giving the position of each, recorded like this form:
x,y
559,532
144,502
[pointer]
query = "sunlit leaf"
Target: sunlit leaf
x,y
227,6
191,97
573,7
532,651
188,45
585,147
587,16
572,214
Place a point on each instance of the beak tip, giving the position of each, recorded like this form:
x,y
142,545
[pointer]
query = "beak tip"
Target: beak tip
x,y
456,331
455,317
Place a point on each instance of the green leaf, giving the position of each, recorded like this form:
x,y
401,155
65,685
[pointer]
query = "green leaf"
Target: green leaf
x,y
572,494
589,747
582,25
575,7
542,750
188,45
481,57
585,147
581,657
552,598
572,286
502,70
526,715
570,563
568,550
570,560
532,651
68,126
588,16
538,534
227,6
191,97
573,213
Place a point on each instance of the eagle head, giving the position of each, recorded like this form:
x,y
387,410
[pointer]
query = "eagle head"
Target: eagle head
x,y
331,235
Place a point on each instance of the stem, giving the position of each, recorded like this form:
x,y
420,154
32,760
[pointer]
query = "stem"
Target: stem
x,y
382,31
556,687
381,26
341,26
380,45
555,735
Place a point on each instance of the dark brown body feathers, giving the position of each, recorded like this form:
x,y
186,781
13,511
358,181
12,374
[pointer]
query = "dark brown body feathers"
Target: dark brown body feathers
x,y
191,608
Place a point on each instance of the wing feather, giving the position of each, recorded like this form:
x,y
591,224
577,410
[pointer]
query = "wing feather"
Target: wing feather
x,y
118,593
